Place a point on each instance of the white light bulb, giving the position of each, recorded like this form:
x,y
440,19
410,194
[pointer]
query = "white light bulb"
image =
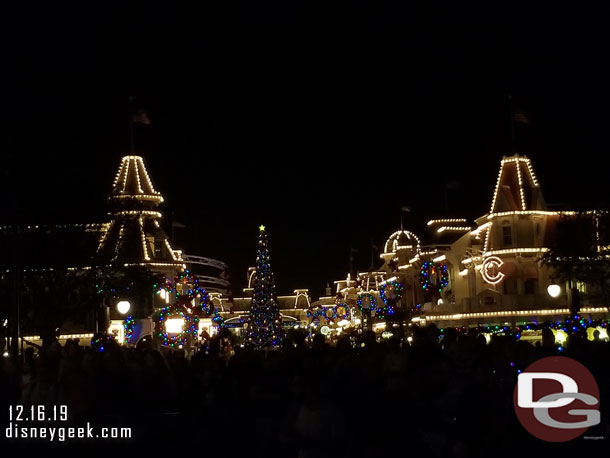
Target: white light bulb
x,y
123,307
554,290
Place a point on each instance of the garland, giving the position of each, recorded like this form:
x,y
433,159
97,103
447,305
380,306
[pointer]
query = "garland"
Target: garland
x,y
384,311
128,325
428,271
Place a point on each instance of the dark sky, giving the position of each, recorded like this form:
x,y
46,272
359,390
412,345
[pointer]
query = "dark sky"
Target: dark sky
x,y
318,121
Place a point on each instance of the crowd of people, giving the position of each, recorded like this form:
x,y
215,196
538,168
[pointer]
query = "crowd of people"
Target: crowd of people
x,y
447,395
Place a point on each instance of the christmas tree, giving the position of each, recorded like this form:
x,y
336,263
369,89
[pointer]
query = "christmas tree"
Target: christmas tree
x,y
265,322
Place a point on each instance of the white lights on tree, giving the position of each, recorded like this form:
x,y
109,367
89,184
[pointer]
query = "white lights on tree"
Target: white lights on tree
x,y
490,270
553,290
174,325
123,307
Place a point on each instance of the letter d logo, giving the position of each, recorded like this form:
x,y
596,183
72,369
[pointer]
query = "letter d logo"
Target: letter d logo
x,y
556,399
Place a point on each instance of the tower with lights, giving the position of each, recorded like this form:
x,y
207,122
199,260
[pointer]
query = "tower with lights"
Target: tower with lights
x,y
134,235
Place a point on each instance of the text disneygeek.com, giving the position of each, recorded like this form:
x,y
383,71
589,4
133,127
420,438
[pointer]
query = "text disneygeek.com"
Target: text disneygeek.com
x,y
61,433
29,423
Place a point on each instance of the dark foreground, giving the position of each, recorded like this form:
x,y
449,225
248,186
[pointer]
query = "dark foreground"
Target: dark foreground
x,y
448,399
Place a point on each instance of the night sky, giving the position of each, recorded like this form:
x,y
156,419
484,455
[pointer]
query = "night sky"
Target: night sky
x,y
318,122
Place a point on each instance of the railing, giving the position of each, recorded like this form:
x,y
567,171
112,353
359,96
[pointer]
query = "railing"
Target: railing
x,y
201,261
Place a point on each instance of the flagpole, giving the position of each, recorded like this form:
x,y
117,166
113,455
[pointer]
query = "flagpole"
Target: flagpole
x,y
351,259
131,130
512,125
403,209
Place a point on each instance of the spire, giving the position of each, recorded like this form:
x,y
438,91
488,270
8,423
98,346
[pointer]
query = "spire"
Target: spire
x,y
133,182
134,234
517,188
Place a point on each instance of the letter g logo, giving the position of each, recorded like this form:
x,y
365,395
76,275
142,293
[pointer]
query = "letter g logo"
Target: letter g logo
x,y
549,396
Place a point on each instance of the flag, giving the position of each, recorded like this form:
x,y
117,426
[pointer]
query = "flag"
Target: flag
x,y
374,247
406,209
177,224
522,118
140,117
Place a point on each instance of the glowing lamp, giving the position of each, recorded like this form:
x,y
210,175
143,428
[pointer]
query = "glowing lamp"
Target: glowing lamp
x,y
553,290
174,325
123,307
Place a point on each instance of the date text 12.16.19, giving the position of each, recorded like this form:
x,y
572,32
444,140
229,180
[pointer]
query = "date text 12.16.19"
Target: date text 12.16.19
x,y
38,413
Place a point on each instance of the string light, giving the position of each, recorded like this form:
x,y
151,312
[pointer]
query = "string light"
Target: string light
x,y
486,244
507,313
520,180
478,230
493,202
445,221
454,228
134,165
144,247
152,213
393,241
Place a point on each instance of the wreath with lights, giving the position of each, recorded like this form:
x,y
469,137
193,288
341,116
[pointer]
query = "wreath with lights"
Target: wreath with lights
x,y
433,275
218,320
329,314
190,327
204,306
391,292
342,311
128,325
372,301
314,314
